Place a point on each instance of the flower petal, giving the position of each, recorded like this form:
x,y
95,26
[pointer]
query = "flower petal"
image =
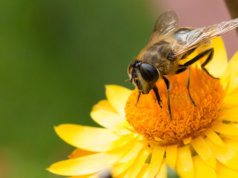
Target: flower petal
x,y
213,137
231,144
225,172
105,105
227,129
171,155
231,100
89,138
156,161
204,151
134,151
118,169
143,171
230,76
162,172
138,164
229,115
117,96
219,62
83,176
109,119
90,164
184,162
80,152
201,169
225,155
84,165
231,137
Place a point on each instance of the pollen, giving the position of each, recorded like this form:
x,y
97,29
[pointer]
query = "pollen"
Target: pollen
x,y
188,121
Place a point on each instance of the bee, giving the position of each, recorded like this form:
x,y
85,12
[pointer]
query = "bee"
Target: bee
x,y
167,47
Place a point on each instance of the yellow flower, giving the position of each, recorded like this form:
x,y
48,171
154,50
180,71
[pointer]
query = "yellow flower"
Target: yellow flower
x,y
140,140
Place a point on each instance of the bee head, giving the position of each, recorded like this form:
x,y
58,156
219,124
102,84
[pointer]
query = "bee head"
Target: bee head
x,y
143,76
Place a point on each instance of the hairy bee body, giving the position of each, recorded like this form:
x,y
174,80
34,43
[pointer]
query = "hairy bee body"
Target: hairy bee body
x,y
160,53
168,52
157,54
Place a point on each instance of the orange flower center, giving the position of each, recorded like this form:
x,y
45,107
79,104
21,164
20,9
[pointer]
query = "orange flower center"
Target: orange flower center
x,y
154,122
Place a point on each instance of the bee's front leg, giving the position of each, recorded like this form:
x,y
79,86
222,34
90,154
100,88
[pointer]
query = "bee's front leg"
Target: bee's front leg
x,y
155,89
138,98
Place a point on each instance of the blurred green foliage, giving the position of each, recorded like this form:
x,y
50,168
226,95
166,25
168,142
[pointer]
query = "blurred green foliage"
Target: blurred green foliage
x,y
55,58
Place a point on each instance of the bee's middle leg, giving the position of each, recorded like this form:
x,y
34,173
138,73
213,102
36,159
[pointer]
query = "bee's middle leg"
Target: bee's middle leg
x,y
168,90
208,52
209,58
188,85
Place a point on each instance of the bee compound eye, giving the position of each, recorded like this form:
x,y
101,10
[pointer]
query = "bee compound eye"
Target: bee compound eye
x,y
149,72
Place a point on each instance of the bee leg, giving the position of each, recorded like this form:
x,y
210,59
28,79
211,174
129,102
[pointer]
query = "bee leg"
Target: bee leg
x,y
210,52
188,85
181,70
138,98
209,58
199,56
155,89
168,90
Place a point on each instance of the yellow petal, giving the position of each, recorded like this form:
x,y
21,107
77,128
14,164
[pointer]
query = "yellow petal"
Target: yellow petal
x,y
231,137
202,170
104,104
143,171
109,119
219,62
230,75
134,151
225,172
84,165
231,144
213,137
83,176
184,163
203,150
229,114
156,161
90,164
88,138
227,129
231,100
162,172
117,96
80,152
224,155
138,164
118,169
187,140
93,176
171,155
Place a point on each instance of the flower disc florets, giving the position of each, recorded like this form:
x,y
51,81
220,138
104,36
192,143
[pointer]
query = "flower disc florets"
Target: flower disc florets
x,y
154,122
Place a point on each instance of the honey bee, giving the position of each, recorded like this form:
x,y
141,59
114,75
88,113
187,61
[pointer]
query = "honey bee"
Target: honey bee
x,y
167,47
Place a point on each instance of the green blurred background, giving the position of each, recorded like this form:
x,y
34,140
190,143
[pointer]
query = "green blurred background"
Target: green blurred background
x,y
55,58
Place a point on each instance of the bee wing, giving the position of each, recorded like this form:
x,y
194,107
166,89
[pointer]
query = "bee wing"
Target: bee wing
x,y
196,37
165,24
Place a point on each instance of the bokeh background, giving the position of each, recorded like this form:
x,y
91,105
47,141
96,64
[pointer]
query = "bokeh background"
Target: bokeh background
x,y
55,58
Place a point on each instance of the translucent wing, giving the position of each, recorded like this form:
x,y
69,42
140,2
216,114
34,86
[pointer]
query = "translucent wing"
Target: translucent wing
x,y
165,24
196,37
